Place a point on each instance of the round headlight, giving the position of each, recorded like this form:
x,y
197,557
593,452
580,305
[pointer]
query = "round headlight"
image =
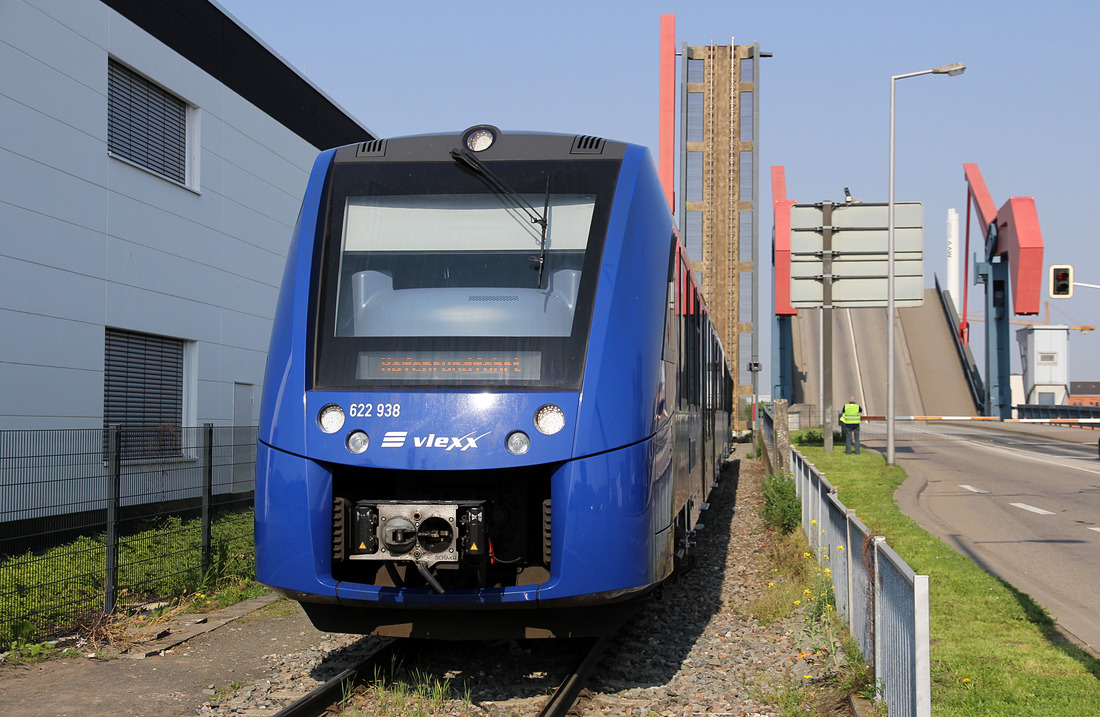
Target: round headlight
x,y
358,441
479,139
549,419
518,443
331,418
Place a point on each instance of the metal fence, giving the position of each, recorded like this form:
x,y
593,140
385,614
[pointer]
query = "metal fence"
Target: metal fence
x,y
883,601
98,518
1074,412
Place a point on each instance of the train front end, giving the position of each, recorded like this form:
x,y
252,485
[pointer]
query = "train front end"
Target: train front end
x,y
456,440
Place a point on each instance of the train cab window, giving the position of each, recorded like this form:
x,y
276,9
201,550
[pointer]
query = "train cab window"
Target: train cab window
x,y
433,276
460,265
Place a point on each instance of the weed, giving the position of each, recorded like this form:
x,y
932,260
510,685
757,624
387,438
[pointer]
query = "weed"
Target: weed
x,y
408,693
28,653
782,510
223,693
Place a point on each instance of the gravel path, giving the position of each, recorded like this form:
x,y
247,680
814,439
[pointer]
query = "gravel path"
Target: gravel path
x,y
694,651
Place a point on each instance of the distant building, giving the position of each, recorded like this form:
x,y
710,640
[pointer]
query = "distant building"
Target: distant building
x,y
1084,393
152,163
1044,356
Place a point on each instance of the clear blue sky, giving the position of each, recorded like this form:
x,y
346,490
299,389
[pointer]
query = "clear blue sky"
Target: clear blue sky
x,y
1026,110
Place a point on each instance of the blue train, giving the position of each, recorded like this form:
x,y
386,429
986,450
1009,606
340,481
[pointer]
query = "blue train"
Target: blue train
x,y
495,404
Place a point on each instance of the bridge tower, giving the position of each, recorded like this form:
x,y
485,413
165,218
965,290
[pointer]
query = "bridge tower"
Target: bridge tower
x,y
718,193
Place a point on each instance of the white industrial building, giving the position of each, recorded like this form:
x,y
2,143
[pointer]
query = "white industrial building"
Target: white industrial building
x,y
153,156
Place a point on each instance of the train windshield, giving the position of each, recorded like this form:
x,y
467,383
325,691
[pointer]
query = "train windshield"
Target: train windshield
x,y
435,274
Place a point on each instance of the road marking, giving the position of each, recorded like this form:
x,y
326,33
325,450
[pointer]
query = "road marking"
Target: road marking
x,y
1096,529
855,355
1065,462
972,489
1033,509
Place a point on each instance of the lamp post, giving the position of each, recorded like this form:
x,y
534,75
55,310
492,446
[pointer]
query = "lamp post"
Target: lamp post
x,y
950,70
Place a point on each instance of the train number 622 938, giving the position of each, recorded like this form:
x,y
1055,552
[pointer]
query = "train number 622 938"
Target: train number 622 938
x,y
374,410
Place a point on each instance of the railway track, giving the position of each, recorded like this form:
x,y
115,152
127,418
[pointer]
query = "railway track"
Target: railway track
x,y
319,701
565,696
324,698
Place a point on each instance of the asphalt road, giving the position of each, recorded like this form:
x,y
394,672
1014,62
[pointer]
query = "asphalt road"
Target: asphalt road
x,y
1022,500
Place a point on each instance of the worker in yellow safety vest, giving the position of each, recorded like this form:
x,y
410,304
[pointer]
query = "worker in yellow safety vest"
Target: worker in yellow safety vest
x,y
849,422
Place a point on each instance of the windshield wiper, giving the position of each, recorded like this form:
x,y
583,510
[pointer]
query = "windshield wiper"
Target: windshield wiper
x,y
466,157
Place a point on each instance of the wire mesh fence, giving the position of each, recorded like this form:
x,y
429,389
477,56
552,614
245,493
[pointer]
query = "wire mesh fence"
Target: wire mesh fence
x,y
91,520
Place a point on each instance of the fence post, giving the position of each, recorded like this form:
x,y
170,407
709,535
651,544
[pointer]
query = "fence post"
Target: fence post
x,y
207,491
782,435
849,513
922,641
876,620
114,488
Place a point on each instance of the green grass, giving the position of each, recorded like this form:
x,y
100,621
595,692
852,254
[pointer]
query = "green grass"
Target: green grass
x,y
994,650
63,588
797,582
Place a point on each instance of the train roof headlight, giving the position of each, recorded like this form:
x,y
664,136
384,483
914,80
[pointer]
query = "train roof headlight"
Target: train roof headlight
x,y
518,443
549,419
479,139
358,441
331,418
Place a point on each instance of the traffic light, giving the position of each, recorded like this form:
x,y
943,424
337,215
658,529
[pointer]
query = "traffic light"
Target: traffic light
x,y
1061,282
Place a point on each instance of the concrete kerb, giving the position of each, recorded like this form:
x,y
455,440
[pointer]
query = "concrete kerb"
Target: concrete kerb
x,y
182,628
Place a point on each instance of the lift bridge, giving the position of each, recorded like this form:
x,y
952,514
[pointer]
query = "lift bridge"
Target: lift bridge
x,y
935,373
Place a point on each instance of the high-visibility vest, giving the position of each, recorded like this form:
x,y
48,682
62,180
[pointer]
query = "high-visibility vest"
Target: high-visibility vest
x,y
850,414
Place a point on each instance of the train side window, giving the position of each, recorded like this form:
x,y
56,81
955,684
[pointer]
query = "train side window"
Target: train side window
x,y
668,353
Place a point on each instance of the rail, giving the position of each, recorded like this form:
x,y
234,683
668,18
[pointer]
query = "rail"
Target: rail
x,y
1067,413
970,368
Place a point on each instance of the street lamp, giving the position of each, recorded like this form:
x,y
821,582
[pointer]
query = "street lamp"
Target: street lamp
x,y
950,70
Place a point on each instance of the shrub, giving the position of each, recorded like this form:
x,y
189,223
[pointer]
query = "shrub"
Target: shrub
x,y
815,437
782,510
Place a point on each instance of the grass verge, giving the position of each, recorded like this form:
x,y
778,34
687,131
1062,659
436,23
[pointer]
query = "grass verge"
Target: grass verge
x,y
994,650
798,583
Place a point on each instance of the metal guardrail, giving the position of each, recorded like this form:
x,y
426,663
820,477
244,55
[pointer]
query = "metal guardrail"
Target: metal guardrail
x,y
1066,412
884,602
970,367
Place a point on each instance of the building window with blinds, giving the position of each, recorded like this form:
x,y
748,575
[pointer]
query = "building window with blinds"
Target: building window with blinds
x,y
143,392
146,125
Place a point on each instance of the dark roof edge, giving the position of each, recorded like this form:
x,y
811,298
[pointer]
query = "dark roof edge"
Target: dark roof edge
x,y
206,35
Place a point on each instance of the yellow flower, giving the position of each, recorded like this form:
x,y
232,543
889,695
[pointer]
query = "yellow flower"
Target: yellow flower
x,y
813,522
807,591
966,679
805,555
771,585
826,570
797,602
840,548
